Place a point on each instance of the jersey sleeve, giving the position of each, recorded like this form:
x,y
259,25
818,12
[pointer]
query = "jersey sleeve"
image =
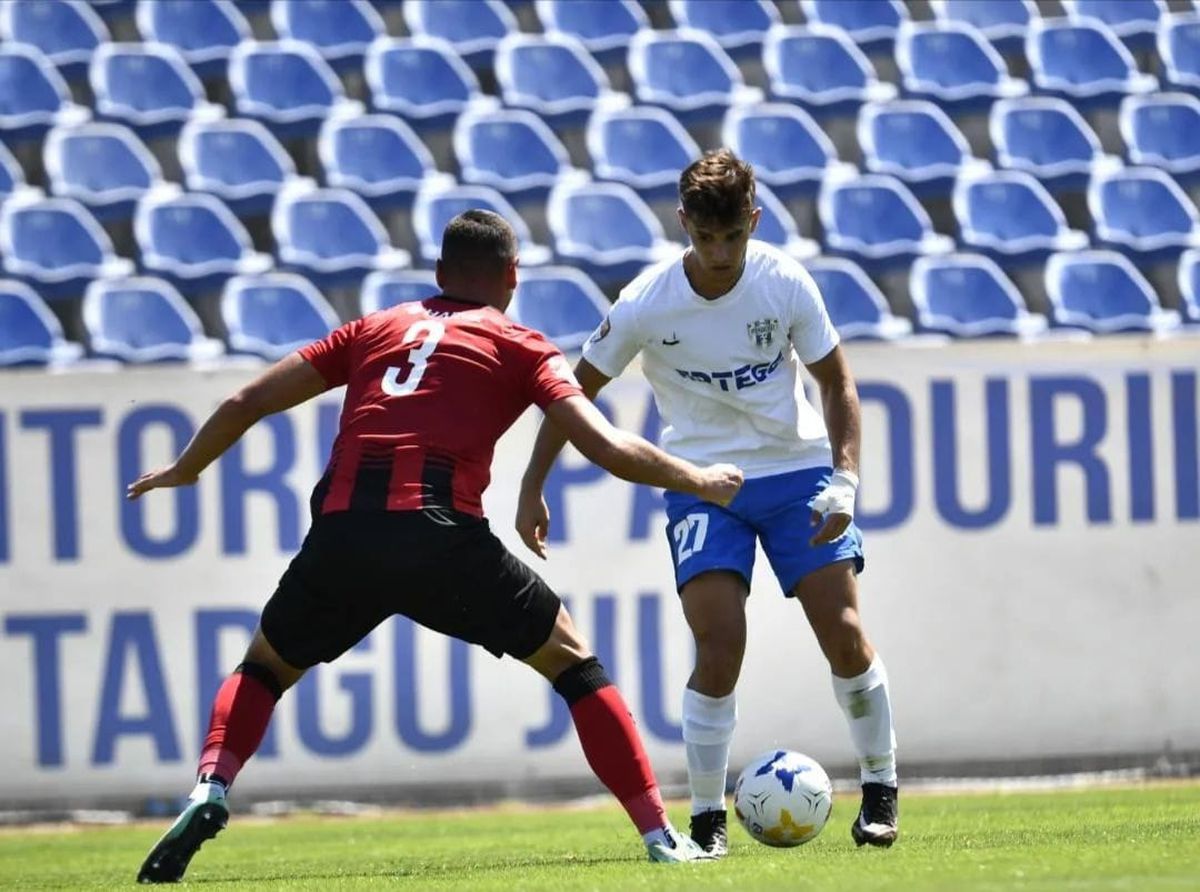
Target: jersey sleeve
x,y
550,377
811,331
615,343
330,356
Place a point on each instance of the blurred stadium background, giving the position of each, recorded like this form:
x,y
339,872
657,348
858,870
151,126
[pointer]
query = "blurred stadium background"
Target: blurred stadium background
x,y
998,199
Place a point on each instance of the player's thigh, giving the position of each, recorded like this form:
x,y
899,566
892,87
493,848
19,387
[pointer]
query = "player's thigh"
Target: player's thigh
x,y
714,605
704,538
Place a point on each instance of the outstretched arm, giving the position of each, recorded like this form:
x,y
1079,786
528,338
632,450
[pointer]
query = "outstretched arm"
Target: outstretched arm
x,y
839,401
287,383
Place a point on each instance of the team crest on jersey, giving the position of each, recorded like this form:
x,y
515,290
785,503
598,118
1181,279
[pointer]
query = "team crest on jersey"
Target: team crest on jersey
x,y
762,332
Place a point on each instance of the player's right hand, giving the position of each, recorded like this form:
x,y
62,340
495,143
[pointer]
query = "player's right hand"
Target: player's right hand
x,y
721,483
533,520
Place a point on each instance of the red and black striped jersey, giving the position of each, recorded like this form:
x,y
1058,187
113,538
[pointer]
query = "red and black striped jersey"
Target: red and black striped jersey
x,y
430,388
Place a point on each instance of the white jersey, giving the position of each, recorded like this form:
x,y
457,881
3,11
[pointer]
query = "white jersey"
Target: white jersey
x,y
725,371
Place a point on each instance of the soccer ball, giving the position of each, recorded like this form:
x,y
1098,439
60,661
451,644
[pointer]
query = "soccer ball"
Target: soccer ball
x,y
783,798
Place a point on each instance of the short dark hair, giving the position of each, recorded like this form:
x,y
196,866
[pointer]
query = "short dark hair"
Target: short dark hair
x,y
478,242
718,188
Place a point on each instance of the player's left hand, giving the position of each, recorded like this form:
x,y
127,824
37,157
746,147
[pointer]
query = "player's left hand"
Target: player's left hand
x,y
160,478
835,506
533,520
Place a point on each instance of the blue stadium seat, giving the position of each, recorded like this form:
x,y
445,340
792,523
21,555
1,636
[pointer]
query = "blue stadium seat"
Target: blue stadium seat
x,y
821,68
856,306
149,87
953,64
1103,292
387,289
104,166
1048,138
644,147
274,314
604,26
1163,130
554,76
916,141
55,244
193,240
1011,216
203,31
738,25
288,86
968,296
377,156
340,30
1133,21
606,230
237,160
1189,285
789,150
1179,50
30,333
473,27
439,202
560,302
1083,61
872,24
1142,209
12,175
687,72
876,219
144,320
1003,22
33,95
331,235
421,79
67,31
511,150
776,226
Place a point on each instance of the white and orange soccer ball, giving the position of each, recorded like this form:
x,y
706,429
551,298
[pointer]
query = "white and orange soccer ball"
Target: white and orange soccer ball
x,y
783,798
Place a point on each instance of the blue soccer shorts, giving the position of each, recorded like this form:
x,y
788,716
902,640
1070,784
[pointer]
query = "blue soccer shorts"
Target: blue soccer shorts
x,y
774,510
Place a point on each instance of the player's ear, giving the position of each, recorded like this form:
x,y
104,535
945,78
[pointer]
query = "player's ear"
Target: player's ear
x,y
755,216
510,273
682,218
439,275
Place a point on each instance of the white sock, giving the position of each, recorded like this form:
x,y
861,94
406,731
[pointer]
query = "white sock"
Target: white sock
x,y
660,835
868,709
708,724
207,791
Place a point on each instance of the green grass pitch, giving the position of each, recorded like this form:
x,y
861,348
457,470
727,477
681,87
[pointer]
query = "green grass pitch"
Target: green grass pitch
x,y
1145,838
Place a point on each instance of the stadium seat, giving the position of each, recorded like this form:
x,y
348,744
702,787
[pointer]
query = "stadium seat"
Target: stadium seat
x,y
789,150
856,306
953,64
605,230
1163,130
917,142
1189,285
643,147
511,150
55,244
12,175
148,87
604,26
1002,22
1133,21
821,68
687,72
738,25
274,314
1103,292
1179,50
872,24
421,79
386,289
1083,61
554,76
777,227
1011,216
237,160
30,333
203,31
331,235
340,30
876,219
33,95
1048,138
104,166
193,240
438,202
472,27
287,86
144,320
67,31
1142,209
969,296
377,156
560,302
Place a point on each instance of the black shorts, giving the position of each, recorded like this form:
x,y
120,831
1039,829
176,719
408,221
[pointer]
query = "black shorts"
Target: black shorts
x,y
356,568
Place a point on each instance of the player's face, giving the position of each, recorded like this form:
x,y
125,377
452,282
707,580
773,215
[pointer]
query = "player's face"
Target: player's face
x,y
719,249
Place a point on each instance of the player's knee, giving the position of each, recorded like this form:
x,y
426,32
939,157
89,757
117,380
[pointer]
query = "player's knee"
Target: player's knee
x,y
846,647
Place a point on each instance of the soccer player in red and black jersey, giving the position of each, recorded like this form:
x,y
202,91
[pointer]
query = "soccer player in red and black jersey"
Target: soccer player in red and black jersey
x,y
398,524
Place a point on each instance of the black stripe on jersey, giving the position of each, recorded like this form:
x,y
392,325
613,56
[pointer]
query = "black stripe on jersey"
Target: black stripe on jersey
x,y
437,482
372,480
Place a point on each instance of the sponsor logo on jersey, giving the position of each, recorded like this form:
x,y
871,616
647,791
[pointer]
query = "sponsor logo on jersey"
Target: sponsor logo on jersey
x,y
762,332
737,379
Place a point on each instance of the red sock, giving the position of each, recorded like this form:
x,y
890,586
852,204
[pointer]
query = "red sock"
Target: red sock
x,y
240,715
611,742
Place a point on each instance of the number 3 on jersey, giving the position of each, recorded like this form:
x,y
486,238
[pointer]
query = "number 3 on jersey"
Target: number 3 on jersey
x,y
689,536
429,332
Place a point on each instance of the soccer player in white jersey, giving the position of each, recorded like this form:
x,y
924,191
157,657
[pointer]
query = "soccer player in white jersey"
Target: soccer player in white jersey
x,y
722,330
